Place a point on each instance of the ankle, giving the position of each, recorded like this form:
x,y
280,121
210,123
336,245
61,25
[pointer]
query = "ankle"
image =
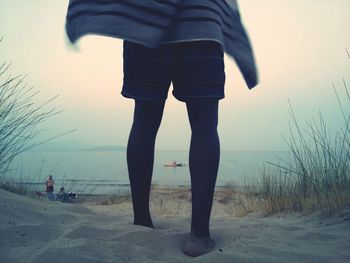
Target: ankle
x,y
200,234
145,224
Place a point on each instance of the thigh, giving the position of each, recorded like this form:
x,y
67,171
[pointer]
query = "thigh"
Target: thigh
x,y
199,71
147,72
203,113
148,113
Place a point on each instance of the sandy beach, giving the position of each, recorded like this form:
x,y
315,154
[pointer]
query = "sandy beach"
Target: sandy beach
x,y
41,231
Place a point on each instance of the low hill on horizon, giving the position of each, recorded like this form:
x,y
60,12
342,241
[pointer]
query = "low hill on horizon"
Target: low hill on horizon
x,y
74,146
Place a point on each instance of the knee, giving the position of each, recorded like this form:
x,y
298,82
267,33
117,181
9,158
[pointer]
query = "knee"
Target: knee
x,y
148,116
203,115
203,122
204,128
146,126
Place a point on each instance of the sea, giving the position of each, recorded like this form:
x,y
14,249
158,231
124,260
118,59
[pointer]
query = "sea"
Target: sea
x,y
105,172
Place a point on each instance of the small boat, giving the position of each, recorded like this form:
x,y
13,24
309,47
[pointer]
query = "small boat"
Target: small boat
x,y
174,164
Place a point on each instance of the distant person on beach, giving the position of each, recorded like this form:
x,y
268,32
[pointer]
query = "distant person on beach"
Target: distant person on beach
x,y
62,195
50,187
183,43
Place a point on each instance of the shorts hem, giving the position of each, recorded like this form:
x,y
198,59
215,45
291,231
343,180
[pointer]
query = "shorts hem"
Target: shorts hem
x,y
130,96
187,98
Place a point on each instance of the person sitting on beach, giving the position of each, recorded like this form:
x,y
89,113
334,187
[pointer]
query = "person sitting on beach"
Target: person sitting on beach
x,y
72,196
62,195
50,187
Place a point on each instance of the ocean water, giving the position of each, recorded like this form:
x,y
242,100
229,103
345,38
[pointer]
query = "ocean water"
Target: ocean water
x,y
106,171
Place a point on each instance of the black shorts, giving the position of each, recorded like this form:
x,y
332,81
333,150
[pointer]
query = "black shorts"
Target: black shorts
x,y
196,69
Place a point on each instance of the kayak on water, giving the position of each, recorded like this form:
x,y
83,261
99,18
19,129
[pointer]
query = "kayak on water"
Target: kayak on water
x,y
174,164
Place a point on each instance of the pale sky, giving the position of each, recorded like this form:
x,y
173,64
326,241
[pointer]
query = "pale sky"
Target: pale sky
x,y
299,47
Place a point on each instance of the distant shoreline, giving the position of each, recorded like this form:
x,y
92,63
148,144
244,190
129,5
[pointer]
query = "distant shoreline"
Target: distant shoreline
x,y
89,149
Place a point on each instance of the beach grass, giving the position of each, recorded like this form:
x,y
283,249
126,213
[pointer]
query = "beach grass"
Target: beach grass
x,y
21,119
315,178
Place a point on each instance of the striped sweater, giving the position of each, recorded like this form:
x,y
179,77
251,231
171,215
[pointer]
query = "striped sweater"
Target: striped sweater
x,y
156,22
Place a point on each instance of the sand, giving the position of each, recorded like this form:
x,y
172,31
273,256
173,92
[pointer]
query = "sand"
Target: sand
x,y
42,231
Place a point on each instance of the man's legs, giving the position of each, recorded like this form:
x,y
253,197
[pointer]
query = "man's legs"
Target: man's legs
x,y
140,156
203,160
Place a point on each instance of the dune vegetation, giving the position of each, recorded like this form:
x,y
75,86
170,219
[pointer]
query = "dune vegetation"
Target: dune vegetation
x,y
21,116
316,177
